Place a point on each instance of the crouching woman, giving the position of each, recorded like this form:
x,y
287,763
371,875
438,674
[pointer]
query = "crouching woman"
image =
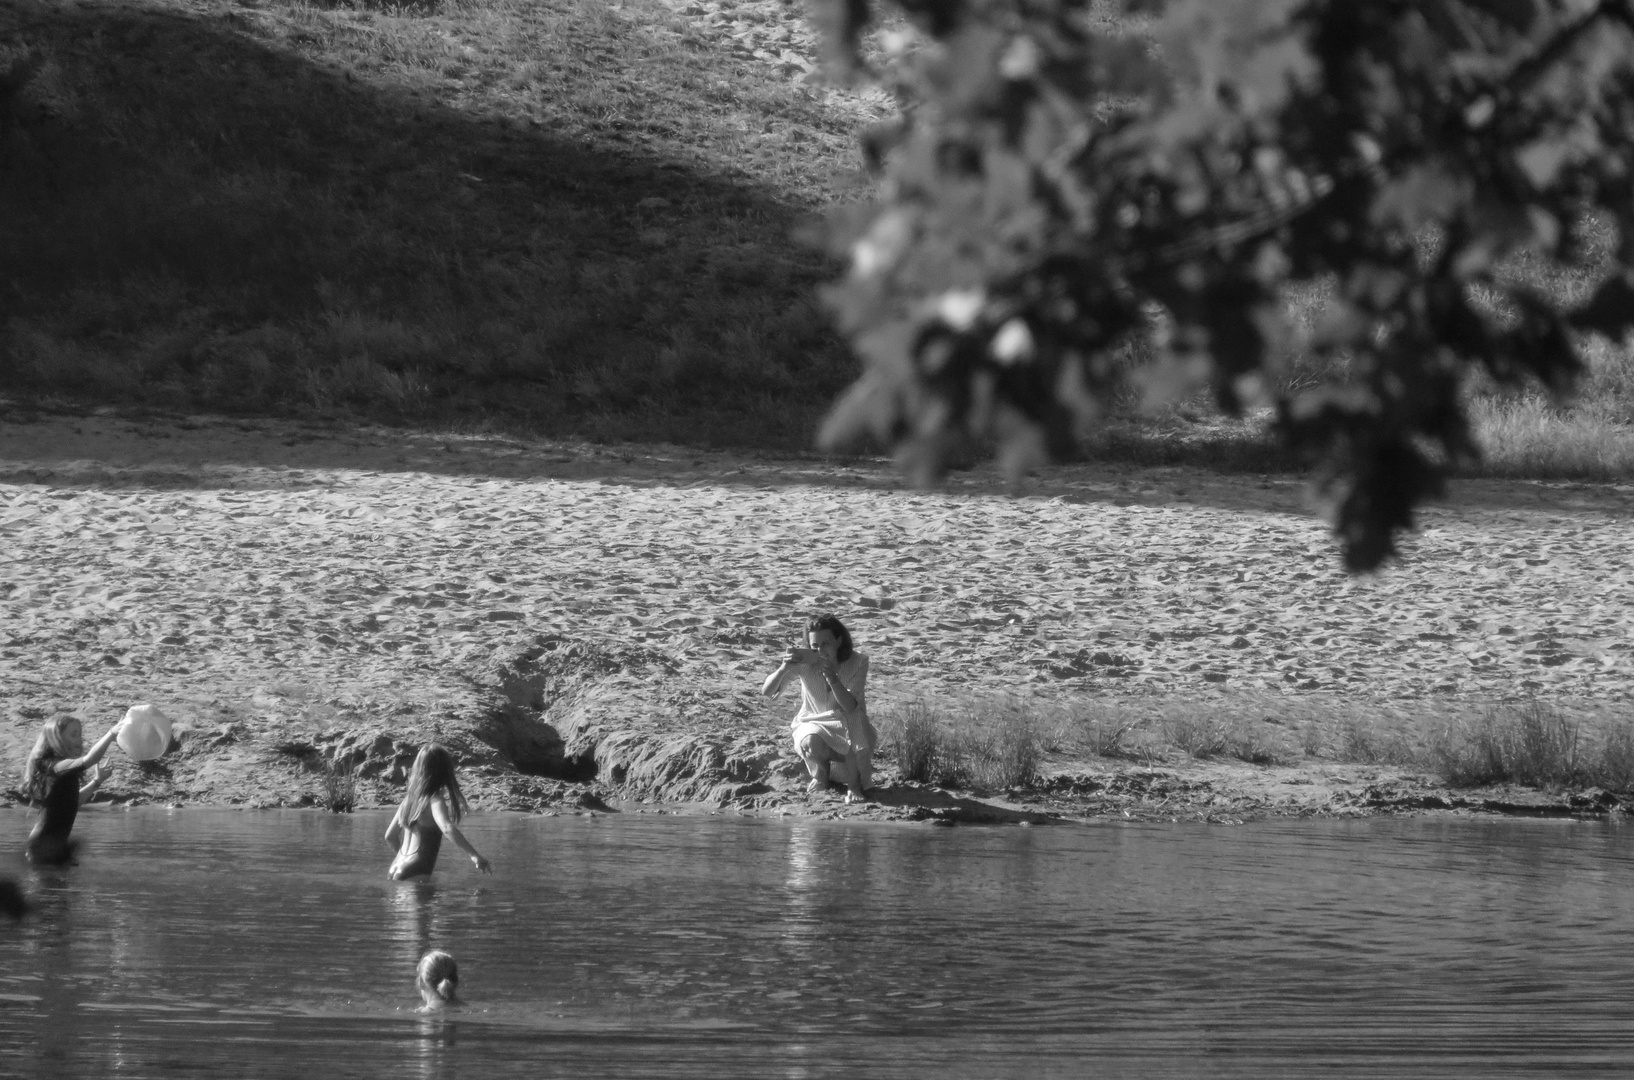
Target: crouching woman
x,y
832,732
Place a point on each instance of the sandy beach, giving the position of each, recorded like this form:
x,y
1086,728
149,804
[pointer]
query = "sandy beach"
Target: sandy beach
x,y
296,596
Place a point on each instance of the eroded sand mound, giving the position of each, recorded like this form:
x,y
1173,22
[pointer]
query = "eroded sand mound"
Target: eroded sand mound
x,y
274,587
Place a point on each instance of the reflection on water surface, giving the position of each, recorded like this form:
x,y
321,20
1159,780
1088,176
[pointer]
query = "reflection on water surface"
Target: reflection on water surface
x,y
222,943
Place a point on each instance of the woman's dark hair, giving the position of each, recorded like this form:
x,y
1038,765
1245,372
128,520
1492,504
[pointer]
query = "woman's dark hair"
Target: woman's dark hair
x,y
835,627
433,772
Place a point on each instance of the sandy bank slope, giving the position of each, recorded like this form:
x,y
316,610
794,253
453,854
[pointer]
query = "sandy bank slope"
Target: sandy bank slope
x,y
298,596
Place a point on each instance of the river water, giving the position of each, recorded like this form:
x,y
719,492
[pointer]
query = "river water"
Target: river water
x,y
218,943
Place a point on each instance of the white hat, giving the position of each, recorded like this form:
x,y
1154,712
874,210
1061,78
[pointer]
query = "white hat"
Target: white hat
x,y
145,734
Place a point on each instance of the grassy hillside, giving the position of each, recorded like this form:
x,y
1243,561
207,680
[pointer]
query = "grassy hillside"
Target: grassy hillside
x,y
564,216
545,216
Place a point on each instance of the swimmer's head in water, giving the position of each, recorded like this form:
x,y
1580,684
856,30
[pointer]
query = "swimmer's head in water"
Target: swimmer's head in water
x,y
438,978
433,772
836,628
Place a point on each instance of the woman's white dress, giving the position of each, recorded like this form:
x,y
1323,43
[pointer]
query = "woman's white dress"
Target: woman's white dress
x,y
821,715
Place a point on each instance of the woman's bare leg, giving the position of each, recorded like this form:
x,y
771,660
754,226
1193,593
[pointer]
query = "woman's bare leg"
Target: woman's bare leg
x,y
816,756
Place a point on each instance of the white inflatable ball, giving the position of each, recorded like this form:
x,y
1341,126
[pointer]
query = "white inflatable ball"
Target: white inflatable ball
x,y
146,734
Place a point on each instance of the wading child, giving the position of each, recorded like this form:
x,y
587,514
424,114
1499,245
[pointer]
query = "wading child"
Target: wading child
x,y
431,809
437,978
52,778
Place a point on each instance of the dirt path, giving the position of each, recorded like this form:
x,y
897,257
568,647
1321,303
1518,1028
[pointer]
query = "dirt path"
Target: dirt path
x,y
287,578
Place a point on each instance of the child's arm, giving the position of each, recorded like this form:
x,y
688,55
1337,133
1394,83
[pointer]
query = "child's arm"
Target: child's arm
x,y
91,756
88,790
439,813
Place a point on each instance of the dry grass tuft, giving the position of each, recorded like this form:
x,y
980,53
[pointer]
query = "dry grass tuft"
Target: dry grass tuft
x,y
992,749
339,790
1529,744
914,740
1365,743
1206,736
1526,437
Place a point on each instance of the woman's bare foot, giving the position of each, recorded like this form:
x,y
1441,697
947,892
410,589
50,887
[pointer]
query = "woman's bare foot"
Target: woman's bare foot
x,y
816,787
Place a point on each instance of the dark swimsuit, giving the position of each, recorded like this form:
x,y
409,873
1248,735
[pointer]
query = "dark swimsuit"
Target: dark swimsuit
x,y
48,843
425,852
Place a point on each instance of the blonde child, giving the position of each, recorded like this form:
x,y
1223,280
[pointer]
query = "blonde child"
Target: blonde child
x,y
52,779
437,979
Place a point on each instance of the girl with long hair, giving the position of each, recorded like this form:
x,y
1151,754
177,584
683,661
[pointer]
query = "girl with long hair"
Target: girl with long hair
x,y
51,778
832,732
431,809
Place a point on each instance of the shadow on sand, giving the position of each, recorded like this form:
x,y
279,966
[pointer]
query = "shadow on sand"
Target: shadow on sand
x,y
107,448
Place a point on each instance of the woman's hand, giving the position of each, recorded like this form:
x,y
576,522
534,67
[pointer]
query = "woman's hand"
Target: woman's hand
x,y
843,697
482,864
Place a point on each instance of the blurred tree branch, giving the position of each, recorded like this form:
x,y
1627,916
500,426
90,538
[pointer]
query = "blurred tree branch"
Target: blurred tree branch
x,y
1062,186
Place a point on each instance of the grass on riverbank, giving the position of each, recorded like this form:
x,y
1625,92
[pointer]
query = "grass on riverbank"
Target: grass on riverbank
x,y
1004,743
1536,745
1528,742
339,790
990,749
